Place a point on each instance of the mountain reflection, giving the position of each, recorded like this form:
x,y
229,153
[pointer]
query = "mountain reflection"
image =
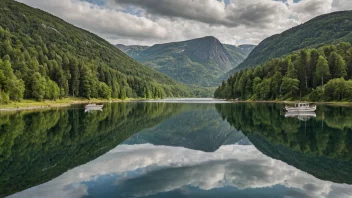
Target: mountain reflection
x,y
38,146
148,170
321,146
199,127
176,150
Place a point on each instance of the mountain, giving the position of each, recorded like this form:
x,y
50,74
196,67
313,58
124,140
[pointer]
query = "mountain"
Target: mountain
x,y
199,61
240,52
132,50
44,57
301,74
323,30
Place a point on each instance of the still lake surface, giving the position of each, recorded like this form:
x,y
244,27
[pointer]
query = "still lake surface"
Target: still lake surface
x,y
174,148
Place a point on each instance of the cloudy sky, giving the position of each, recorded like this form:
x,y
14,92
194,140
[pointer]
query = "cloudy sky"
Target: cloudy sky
x,y
147,22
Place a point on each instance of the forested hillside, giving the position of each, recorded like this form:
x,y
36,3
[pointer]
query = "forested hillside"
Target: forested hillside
x,y
323,30
43,57
323,74
201,61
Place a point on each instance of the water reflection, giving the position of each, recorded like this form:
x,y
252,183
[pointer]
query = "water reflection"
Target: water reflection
x,y
163,171
198,127
303,116
177,150
321,146
38,146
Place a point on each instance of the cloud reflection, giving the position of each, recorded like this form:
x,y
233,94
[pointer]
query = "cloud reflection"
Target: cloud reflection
x,y
159,169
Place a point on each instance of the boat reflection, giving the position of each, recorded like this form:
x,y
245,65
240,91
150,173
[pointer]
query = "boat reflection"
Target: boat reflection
x,y
93,107
304,116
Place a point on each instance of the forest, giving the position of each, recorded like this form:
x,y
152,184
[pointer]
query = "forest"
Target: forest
x,y
322,74
322,30
43,57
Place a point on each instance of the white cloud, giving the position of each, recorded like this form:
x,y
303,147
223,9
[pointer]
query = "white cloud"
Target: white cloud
x,y
339,5
105,22
165,21
237,166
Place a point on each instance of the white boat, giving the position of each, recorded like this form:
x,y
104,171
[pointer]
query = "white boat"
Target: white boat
x,y
93,107
301,107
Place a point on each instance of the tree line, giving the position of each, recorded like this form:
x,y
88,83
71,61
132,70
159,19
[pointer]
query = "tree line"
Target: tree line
x,y
43,57
317,74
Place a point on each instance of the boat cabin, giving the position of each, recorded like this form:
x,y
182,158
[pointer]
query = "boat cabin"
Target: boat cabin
x,y
298,105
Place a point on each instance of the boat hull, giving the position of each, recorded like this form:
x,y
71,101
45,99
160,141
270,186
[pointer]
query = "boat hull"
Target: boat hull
x,y
306,109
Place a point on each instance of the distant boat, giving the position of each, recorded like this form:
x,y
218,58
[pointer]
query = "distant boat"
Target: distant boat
x,y
93,107
301,107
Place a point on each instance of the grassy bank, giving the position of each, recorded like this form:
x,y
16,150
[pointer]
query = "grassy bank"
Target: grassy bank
x,y
32,104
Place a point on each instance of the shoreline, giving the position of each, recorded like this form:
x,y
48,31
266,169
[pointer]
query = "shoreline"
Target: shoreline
x,y
29,105
292,102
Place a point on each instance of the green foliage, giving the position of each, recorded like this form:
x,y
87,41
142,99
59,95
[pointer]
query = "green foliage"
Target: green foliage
x,y
291,70
337,65
47,58
322,70
263,88
323,30
295,76
11,87
289,86
37,89
199,61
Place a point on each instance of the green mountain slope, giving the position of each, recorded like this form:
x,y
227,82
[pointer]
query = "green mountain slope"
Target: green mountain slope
x,y
303,74
199,61
46,58
322,30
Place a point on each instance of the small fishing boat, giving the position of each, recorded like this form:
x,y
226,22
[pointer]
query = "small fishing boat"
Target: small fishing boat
x,y
301,107
93,107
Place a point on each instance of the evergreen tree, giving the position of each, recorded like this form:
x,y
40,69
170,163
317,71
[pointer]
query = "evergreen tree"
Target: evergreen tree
x,y
37,86
322,71
291,70
337,65
290,86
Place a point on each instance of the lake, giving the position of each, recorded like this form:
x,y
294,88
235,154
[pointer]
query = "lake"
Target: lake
x,y
176,148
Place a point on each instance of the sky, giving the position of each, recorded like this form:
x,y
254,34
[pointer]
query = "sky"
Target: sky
x,y
148,22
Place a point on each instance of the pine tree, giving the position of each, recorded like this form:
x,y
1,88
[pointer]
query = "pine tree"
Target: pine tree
x,y
291,70
322,69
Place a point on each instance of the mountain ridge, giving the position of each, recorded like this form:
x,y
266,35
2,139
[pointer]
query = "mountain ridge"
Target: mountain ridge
x,y
200,61
322,30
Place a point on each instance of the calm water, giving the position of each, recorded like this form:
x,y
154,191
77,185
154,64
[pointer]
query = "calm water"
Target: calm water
x,y
176,149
